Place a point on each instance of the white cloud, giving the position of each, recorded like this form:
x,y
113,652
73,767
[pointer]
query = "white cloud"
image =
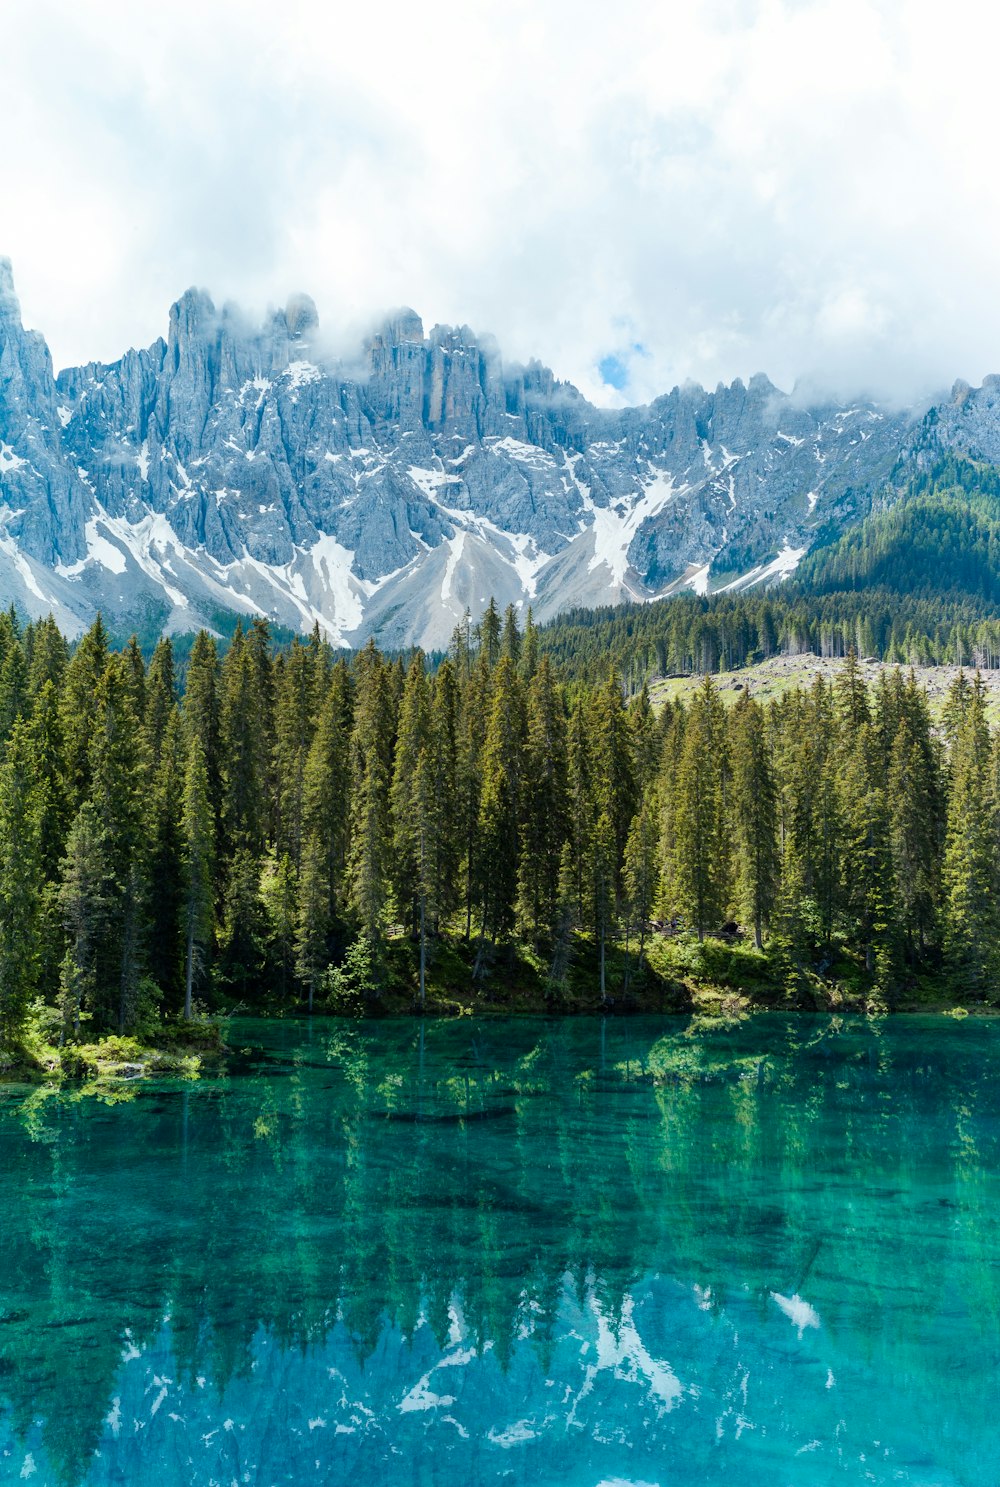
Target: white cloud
x,y
805,187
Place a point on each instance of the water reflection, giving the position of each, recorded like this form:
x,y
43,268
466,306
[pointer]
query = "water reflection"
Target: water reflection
x,y
571,1252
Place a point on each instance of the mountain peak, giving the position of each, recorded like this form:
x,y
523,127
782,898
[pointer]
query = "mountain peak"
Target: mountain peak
x,y
237,466
760,382
192,310
301,315
8,296
400,326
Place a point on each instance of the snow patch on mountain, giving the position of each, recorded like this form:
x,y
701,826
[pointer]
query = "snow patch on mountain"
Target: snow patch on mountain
x,y
9,460
236,467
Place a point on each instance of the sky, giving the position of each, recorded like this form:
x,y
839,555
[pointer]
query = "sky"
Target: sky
x,y
637,193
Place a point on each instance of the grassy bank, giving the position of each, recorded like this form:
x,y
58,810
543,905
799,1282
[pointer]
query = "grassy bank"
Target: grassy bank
x,y
676,974
170,1047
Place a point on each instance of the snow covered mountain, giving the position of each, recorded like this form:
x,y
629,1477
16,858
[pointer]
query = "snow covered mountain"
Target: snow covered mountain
x,y
243,468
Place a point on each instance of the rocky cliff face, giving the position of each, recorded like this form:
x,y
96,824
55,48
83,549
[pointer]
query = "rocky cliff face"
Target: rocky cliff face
x,y
241,467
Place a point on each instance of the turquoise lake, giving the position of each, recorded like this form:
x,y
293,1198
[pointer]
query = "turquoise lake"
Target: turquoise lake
x,y
584,1252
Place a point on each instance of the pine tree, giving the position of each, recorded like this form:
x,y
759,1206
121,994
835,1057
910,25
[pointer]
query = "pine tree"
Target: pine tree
x,y
510,644
313,916
970,857
294,724
641,876
580,805
197,862
202,709
809,825
754,817
460,648
84,905
447,845
851,695
243,930
413,739
865,857
164,941
565,919
474,713
698,866
44,741
118,766
955,708
371,754
603,877
489,633
529,648
499,807
161,695
427,824
49,656
888,714
244,715
612,754
13,688
78,708
672,723
916,826
424,742
325,791
22,808
646,743
280,898
320,664
134,673
545,819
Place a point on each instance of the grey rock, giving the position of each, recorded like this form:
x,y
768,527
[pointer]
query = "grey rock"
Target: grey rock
x,y
239,466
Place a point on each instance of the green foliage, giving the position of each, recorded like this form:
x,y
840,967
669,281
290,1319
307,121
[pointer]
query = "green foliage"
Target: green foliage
x,y
940,537
755,818
969,870
360,977
286,828
916,582
22,804
197,854
732,965
698,863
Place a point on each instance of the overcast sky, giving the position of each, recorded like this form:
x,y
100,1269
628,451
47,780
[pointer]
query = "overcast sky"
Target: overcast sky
x,y
636,192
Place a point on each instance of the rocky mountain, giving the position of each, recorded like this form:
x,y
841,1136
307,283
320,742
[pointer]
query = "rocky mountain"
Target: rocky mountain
x,y
234,467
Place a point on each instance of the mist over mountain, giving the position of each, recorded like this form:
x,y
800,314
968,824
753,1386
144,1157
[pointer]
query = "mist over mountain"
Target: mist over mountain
x,y
253,468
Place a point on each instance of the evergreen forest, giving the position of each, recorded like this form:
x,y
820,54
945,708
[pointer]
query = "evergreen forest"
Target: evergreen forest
x,y
916,583
286,827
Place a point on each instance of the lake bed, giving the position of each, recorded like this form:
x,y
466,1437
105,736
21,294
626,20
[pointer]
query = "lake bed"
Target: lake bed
x,y
582,1252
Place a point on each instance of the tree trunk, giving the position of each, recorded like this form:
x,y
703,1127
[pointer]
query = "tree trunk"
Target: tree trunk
x,y
468,887
423,952
423,918
189,968
129,937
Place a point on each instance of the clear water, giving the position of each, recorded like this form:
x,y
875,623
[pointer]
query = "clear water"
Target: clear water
x,y
500,1253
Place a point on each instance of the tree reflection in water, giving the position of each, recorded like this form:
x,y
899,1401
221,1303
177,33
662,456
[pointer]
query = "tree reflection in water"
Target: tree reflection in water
x,y
567,1251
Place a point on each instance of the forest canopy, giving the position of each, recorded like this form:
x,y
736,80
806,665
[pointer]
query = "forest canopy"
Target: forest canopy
x,y
261,829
